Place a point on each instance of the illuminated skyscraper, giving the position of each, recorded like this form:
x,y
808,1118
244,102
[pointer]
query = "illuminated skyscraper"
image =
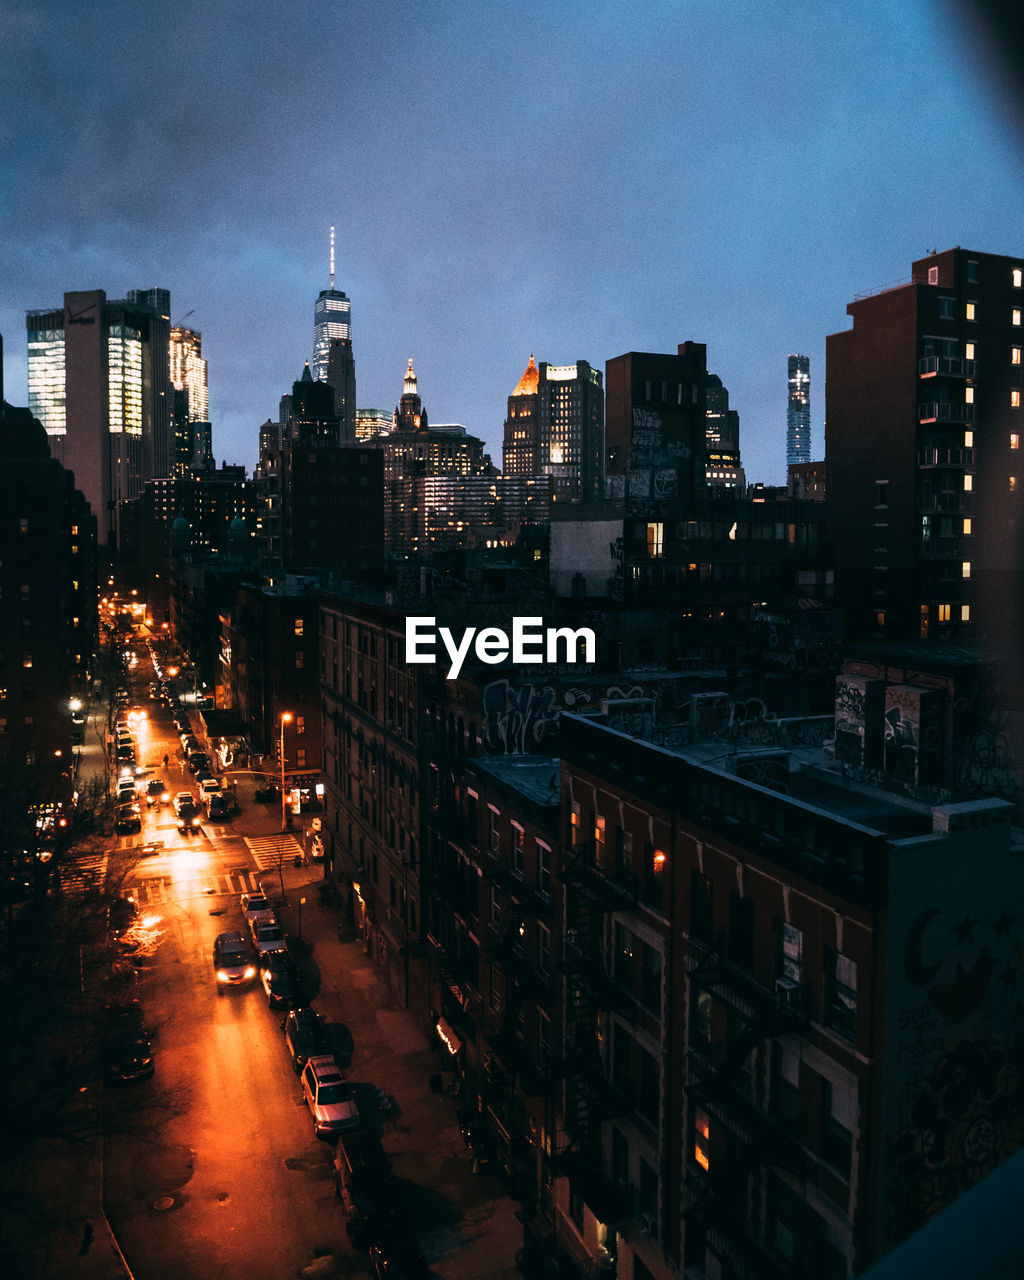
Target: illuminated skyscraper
x,y
190,418
798,411
98,381
331,319
555,427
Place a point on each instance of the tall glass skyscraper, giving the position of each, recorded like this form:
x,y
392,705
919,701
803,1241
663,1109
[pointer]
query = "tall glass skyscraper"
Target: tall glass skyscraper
x,y
331,319
798,411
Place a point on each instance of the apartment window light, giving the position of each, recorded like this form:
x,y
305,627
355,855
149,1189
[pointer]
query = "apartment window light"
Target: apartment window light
x,y
1018,278
1014,440
968,350
968,395
968,439
1015,355
968,484
1013,484
965,569
944,610
967,525
1014,399
1015,316
965,613
971,311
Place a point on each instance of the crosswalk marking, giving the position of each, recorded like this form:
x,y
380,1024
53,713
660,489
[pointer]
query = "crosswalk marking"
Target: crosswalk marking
x,y
268,851
154,890
86,872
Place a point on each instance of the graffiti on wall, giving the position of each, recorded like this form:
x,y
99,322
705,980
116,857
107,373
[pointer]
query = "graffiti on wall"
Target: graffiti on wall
x,y
961,1107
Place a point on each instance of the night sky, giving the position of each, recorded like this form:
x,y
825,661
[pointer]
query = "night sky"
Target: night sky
x,y
574,180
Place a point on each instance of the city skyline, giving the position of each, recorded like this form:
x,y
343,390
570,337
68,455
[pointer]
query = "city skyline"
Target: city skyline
x,y
483,211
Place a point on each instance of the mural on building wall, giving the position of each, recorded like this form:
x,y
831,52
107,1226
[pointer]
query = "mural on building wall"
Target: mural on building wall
x,y
960,1049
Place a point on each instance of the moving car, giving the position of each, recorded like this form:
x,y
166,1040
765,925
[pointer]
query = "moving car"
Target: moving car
x,y
156,792
198,761
189,821
305,1037
233,961
280,980
328,1097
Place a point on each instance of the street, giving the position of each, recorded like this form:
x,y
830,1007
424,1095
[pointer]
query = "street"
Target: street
x,y
211,1169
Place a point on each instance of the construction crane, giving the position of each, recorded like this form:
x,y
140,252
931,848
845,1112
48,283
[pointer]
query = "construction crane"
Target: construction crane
x,y
184,318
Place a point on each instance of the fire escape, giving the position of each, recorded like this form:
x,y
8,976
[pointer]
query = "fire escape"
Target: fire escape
x,y
718,1084
588,1098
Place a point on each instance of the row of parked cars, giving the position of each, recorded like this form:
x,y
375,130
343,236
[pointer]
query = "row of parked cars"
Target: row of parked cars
x,y
360,1166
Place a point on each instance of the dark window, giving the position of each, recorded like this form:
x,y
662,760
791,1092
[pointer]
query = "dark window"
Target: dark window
x,y
702,923
840,993
741,931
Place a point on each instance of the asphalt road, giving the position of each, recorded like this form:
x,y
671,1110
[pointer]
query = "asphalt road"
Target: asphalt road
x,y
211,1169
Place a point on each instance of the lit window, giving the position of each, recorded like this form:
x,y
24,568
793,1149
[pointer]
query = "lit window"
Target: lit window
x,y
1014,440
968,483
969,350
701,1140
300,724
1013,484
655,539
1014,399
298,626
1015,316
968,439
1015,355
967,524
971,311
965,569
26,660
968,395
1017,277
944,612
880,618
965,613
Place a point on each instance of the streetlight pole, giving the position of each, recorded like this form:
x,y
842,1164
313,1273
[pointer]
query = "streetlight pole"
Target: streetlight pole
x,y
285,719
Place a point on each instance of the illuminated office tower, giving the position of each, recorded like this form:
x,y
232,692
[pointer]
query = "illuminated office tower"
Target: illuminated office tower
x,y
191,400
331,319
798,411
555,427
99,382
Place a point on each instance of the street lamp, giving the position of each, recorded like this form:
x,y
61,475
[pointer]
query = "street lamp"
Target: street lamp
x,y
286,717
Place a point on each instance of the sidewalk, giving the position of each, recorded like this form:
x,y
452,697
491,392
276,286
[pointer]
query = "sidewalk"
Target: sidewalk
x,y
465,1222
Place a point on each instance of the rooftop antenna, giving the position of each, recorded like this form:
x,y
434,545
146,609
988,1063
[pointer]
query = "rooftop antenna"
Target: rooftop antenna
x,y
332,257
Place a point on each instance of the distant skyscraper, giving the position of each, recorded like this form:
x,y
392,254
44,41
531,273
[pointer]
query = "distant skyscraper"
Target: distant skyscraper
x,y
191,400
722,468
331,319
798,411
99,382
555,427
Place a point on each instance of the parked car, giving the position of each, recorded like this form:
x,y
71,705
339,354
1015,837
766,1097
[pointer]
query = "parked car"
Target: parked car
x,y
305,1037
125,790
126,1050
280,980
328,1097
233,961
128,819
208,786
256,906
362,1181
198,761
266,793
398,1258
268,936
218,807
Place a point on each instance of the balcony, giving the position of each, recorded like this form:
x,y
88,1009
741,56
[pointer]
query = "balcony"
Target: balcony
x,y
945,411
955,457
772,1012
945,367
946,501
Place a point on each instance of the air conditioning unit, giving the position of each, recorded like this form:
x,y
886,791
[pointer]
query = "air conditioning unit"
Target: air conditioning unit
x,y
648,1223
790,994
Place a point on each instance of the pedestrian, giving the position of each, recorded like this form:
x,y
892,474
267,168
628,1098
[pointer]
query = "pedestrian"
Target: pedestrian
x,y
167,759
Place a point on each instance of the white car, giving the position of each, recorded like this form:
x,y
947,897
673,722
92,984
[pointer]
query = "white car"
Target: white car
x,y
267,936
255,906
328,1097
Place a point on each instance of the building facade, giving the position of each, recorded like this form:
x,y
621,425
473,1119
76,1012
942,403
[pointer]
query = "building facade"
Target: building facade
x,y
555,427
923,435
99,382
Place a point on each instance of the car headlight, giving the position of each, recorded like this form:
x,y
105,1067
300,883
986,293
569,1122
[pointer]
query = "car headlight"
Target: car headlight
x,y
196,821
250,972
222,975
